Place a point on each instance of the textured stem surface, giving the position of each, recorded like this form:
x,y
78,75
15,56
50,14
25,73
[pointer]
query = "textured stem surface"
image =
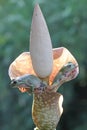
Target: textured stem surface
x,y
47,110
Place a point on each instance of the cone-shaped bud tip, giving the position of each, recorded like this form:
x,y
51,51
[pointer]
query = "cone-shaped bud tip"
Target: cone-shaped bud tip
x,y
40,45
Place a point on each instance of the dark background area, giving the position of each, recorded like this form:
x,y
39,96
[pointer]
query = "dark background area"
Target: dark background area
x,y
67,23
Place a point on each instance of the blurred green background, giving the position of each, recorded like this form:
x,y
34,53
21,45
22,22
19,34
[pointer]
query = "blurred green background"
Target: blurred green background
x,y
67,23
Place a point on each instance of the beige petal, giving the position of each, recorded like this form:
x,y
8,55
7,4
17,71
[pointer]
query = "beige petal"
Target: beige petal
x,y
61,57
21,65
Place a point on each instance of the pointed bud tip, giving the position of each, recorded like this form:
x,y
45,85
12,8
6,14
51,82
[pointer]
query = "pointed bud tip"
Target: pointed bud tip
x,y
37,11
37,6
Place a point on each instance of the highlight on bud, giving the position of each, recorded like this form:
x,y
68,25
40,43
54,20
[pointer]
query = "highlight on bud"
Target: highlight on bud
x,y
40,45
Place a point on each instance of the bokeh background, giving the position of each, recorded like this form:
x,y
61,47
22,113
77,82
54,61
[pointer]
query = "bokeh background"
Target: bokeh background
x,y
67,23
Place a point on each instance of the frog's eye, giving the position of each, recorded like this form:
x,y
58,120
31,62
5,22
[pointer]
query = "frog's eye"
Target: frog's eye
x,y
69,65
13,83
